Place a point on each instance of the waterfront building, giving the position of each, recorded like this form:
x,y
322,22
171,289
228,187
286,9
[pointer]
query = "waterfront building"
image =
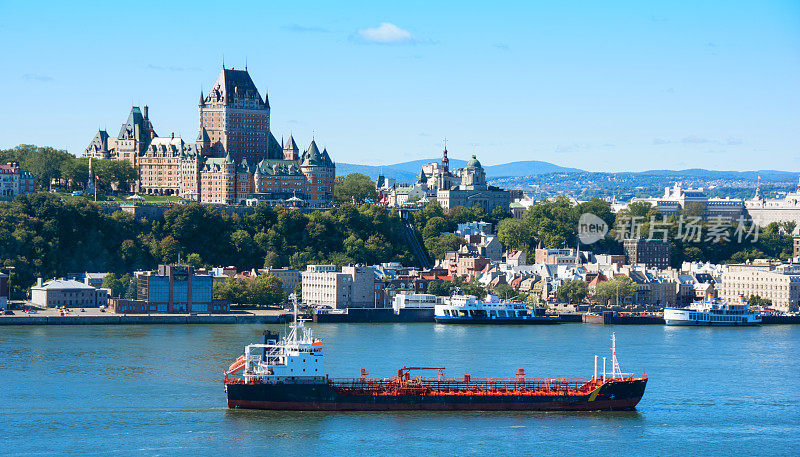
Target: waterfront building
x,y
68,293
653,288
175,289
353,287
651,253
779,283
406,300
235,157
15,181
4,292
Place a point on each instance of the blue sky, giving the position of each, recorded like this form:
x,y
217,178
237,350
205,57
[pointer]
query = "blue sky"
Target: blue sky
x,y
596,85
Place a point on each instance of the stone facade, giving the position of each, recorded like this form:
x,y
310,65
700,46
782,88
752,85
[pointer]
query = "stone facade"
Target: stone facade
x,y
15,181
764,211
353,287
68,293
463,187
651,253
677,199
473,191
778,283
234,159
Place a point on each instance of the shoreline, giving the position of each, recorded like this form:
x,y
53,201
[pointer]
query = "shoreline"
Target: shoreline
x,y
144,319
92,316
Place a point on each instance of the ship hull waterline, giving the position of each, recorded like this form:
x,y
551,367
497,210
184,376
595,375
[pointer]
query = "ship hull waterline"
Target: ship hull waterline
x,y
611,396
495,321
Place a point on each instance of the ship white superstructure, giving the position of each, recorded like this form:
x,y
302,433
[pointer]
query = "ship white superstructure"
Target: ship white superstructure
x,y
712,312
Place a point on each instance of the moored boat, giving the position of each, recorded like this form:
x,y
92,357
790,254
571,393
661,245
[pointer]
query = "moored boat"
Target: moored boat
x,y
713,312
468,309
288,374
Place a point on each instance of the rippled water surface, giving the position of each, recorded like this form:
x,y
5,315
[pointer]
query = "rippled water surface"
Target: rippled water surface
x,y
157,390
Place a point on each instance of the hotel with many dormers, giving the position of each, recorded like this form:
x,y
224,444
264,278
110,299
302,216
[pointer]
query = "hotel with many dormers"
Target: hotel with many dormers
x,y
234,159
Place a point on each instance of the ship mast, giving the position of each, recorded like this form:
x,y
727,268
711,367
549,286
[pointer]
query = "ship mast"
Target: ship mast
x,y
616,372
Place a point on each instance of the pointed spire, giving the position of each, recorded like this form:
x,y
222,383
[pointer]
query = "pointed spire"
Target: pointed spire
x,y
423,178
202,99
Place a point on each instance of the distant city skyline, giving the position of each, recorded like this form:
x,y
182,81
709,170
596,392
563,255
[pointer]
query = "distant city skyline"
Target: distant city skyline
x,y
600,87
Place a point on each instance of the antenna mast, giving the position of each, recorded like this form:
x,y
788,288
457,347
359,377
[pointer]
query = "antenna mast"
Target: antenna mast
x,y
616,372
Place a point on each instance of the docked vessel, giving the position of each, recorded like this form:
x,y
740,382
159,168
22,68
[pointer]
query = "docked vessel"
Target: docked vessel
x,y
468,309
288,374
712,312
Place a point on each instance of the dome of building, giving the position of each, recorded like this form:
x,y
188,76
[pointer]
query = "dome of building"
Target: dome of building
x,y
473,163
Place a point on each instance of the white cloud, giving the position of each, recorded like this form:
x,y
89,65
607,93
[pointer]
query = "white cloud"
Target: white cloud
x,y
386,33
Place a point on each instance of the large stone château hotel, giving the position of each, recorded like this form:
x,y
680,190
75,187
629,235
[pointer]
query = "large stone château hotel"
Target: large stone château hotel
x,y
234,159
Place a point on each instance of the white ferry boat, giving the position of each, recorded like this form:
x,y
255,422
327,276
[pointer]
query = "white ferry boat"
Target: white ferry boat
x,y
467,309
714,312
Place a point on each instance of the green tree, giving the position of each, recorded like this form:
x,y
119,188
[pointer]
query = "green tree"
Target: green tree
x,y
194,260
504,291
267,290
354,188
515,234
438,246
573,290
553,222
620,286
118,284
440,288
131,293
435,226
788,227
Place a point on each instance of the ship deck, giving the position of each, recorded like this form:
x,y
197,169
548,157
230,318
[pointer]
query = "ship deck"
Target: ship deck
x,y
455,386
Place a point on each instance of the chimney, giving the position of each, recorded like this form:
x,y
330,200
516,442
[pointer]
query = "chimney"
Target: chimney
x,y
146,111
38,282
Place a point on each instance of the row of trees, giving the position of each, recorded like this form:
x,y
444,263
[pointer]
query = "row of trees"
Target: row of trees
x,y
436,225
262,290
47,164
42,235
613,290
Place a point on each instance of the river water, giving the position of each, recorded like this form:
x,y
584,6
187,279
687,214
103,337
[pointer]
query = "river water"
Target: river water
x,y
157,390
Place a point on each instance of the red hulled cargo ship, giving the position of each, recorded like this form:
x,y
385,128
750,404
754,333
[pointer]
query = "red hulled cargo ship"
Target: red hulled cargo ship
x,y
288,374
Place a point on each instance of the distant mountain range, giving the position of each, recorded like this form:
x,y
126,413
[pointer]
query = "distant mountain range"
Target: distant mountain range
x,y
409,171
766,175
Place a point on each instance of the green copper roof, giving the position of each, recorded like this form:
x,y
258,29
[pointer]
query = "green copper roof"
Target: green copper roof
x,y
473,163
312,156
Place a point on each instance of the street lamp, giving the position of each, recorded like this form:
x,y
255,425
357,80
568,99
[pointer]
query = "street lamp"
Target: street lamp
x,y
8,286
